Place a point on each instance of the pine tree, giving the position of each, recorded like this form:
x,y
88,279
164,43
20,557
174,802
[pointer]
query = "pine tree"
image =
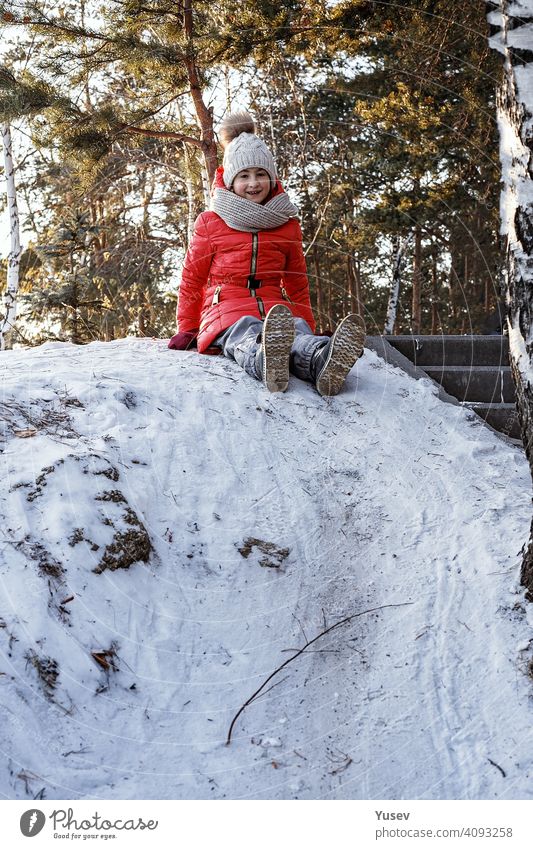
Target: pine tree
x,y
392,145
105,269
373,112
173,51
427,83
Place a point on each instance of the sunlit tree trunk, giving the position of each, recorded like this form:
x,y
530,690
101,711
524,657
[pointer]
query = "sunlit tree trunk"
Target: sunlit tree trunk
x,y
319,291
204,113
434,290
191,200
13,260
354,282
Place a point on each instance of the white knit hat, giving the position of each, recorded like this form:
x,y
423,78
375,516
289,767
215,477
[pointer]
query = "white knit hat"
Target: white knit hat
x,y
242,148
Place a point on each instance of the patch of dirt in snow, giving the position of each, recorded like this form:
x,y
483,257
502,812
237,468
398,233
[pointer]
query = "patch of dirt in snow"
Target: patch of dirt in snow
x,y
116,531
274,556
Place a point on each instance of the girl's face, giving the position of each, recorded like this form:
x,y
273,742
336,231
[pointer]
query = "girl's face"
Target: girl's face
x,y
252,184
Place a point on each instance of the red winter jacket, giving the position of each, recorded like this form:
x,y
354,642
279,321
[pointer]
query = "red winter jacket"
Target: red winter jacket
x,y
214,291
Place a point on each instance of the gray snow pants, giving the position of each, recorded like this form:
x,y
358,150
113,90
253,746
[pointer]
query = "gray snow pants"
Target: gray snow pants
x,y
241,341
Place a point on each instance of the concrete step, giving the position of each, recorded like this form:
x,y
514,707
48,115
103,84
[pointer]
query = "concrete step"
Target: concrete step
x,y
453,350
487,384
463,377
502,417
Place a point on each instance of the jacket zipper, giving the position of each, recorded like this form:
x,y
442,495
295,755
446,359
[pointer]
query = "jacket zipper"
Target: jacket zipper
x,y
285,296
216,296
253,267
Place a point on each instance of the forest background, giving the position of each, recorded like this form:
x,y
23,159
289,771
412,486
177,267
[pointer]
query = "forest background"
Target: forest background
x,y
381,117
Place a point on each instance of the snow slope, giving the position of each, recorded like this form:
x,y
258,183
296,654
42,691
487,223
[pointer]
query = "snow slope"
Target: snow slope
x,y
244,524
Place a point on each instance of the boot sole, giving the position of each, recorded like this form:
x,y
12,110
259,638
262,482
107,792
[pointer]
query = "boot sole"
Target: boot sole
x,y
277,338
346,347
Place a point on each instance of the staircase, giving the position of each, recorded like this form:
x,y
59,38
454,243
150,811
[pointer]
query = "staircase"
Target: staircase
x,y
473,369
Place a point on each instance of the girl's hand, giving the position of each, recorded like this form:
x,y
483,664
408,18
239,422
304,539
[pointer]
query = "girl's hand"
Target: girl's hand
x,y
184,340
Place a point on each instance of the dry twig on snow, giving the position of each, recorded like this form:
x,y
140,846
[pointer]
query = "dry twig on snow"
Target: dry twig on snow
x,y
300,652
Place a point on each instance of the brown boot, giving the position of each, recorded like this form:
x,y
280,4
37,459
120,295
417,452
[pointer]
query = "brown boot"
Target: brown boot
x,y
332,363
276,344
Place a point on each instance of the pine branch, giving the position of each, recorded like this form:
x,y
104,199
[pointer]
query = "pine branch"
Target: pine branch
x,y
49,23
162,51
159,134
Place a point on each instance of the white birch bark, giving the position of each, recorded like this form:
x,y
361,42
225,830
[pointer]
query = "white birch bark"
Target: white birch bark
x,y
511,24
13,261
394,293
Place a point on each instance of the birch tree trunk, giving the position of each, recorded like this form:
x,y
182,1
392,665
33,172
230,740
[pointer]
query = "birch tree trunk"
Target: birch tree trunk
x,y
398,252
511,25
416,313
13,260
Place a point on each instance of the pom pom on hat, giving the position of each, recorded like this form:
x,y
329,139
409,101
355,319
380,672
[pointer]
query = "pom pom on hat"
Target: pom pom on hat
x,y
233,125
243,149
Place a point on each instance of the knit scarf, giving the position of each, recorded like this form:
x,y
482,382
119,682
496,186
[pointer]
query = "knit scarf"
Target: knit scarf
x,y
243,214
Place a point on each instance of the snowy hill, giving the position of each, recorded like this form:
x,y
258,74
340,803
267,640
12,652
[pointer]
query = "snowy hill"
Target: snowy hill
x,y
172,534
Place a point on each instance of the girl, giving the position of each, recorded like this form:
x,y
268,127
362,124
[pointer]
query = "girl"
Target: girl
x,y
244,289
